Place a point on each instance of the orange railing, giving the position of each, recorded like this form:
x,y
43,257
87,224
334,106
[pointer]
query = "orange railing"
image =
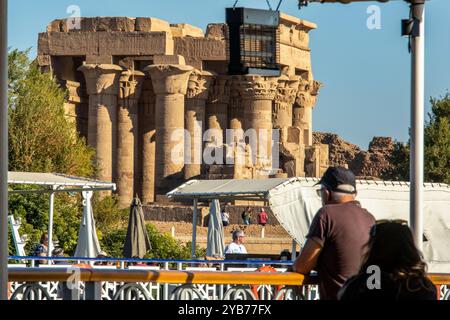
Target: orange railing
x,y
178,277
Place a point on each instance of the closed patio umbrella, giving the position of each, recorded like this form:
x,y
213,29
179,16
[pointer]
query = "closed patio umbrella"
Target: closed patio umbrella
x,y
215,246
88,245
137,242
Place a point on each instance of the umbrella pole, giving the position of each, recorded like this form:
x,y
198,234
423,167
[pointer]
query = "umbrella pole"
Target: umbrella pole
x,y
194,228
50,224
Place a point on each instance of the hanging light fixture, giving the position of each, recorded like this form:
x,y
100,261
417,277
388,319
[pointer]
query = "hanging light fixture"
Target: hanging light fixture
x,y
253,41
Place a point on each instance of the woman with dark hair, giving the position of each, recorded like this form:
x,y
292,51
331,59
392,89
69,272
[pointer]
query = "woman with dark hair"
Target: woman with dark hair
x,y
392,269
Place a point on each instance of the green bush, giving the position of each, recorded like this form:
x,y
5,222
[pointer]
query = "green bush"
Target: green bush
x,y
33,210
108,215
164,246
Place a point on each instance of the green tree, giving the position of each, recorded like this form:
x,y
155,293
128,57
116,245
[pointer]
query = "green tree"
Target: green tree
x,y
41,139
437,141
436,147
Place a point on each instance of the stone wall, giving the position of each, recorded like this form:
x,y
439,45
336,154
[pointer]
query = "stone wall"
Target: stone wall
x,y
184,214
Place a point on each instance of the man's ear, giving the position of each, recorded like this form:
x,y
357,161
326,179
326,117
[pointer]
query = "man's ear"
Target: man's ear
x,y
328,193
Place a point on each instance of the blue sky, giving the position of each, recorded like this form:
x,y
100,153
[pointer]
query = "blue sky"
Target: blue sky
x,y
366,72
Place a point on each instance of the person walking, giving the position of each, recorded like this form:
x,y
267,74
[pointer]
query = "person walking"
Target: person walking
x,y
247,215
225,217
262,217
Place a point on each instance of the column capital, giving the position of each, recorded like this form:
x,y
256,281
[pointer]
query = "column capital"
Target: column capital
x,y
74,90
199,84
307,93
220,90
287,90
131,84
101,78
254,87
169,78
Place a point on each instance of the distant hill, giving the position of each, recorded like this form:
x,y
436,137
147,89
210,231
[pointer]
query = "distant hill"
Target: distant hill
x,y
368,164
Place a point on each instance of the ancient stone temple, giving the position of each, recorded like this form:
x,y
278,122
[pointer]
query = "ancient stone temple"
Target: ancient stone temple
x,y
155,101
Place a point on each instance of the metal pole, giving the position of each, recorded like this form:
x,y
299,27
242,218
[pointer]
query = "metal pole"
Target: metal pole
x,y
3,150
194,228
417,125
294,250
50,224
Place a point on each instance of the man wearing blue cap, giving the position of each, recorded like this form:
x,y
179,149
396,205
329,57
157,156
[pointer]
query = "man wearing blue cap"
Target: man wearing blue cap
x,y
337,235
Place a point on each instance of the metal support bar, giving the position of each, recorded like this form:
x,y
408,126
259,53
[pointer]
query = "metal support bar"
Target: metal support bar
x,y
59,190
166,285
93,291
194,228
70,294
50,224
294,250
417,125
3,150
279,5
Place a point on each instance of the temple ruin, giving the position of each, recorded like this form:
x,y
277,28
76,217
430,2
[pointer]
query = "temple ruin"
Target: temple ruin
x,y
135,83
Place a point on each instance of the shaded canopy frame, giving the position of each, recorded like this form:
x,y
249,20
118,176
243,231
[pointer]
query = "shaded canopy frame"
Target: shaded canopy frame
x,y
52,183
229,190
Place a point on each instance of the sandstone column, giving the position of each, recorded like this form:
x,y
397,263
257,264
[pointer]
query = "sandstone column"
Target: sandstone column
x,y
235,110
147,136
258,93
197,94
234,137
284,99
304,104
76,107
217,106
127,147
102,81
170,86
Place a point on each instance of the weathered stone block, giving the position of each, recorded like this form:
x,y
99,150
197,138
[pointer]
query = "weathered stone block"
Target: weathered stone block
x,y
123,24
169,59
186,30
200,48
218,31
89,24
44,60
295,57
43,44
69,44
136,43
97,59
55,26
152,25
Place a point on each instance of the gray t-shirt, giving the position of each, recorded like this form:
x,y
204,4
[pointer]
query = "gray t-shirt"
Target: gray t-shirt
x,y
343,231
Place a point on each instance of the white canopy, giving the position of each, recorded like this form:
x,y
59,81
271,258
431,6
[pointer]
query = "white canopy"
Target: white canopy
x,y
294,203
57,181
